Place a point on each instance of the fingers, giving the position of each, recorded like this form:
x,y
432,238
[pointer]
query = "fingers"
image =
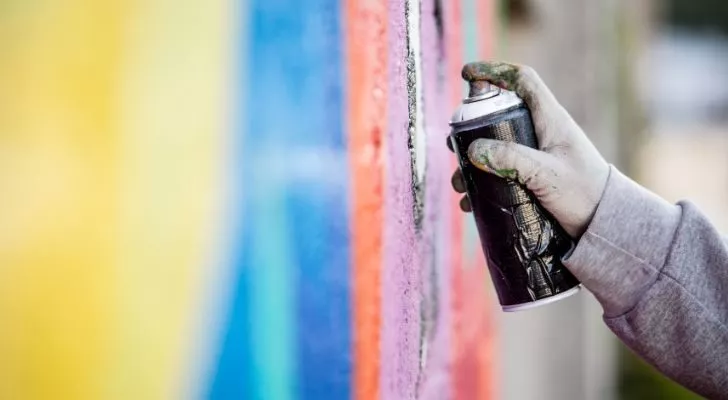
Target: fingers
x,y
545,109
509,160
518,78
458,182
465,204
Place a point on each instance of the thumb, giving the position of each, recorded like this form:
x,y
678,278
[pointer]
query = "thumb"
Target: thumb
x,y
509,160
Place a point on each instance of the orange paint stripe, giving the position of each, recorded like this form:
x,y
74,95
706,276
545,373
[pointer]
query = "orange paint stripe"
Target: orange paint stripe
x,y
366,42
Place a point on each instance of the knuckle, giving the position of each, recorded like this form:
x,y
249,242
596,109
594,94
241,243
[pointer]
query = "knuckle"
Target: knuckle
x,y
527,71
530,177
528,74
510,155
531,86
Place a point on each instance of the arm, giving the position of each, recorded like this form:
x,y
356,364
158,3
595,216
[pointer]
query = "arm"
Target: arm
x,y
660,271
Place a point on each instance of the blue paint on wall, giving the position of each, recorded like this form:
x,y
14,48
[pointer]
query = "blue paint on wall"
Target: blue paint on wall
x,y
319,205
288,332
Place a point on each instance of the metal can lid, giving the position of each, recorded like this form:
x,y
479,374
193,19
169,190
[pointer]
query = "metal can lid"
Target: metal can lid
x,y
484,104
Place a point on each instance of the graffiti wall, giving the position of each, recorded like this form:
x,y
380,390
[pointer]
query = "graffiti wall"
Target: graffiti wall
x,y
238,200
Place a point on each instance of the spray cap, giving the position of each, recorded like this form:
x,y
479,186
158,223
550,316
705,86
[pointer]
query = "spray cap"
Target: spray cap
x,y
480,90
474,107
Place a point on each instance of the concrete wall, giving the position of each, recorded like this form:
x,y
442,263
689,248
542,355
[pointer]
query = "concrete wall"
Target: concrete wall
x,y
238,200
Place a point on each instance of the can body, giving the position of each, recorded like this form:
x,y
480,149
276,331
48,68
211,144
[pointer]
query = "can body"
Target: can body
x,y
523,243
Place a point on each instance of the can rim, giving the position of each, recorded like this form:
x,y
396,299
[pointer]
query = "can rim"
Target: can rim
x,y
478,121
541,302
483,96
476,109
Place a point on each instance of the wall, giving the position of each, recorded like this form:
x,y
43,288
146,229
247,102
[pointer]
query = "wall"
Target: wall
x,y
238,200
348,243
112,123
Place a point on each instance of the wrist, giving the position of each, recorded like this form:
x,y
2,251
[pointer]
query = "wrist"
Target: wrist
x,y
600,180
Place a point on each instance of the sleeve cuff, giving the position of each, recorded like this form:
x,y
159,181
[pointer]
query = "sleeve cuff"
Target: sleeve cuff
x,y
626,244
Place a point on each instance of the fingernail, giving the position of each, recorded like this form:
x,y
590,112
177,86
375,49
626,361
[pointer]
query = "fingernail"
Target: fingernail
x,y
479,154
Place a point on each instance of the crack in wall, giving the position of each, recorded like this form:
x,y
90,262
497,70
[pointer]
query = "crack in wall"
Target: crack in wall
x,y
416,145
416,142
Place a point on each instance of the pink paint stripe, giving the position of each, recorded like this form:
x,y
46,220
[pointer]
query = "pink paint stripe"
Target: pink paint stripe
x,y
400,291
436,226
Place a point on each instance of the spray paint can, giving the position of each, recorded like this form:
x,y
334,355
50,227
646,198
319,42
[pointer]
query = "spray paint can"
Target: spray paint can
x,y
523,243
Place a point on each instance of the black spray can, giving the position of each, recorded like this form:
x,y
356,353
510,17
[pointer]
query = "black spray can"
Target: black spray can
x,y
523,243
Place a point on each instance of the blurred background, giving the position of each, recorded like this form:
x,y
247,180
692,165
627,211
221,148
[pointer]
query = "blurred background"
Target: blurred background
x,y
645,81
250,199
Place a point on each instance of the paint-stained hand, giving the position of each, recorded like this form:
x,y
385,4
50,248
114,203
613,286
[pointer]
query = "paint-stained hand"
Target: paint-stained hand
x,y
567,174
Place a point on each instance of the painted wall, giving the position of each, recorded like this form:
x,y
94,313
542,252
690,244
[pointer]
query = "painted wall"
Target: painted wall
x,y
251,200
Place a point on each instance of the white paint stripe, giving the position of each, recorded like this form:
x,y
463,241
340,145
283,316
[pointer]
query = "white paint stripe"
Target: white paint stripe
x,y
415,51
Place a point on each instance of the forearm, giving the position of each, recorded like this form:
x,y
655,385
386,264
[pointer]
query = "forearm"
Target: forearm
x,y
661,273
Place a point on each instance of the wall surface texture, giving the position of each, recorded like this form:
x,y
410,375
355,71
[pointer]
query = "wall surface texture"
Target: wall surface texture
x,y
347,244
238,200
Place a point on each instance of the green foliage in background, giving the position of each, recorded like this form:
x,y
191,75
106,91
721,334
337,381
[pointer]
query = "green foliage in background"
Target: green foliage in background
x,y
639,381
701,15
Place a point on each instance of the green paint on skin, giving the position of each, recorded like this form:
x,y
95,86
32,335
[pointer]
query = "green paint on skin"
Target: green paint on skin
x,y
508,173
482,159
499,73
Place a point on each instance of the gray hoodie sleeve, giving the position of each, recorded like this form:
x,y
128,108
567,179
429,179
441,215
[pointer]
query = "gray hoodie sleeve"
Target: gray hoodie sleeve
x,y
660,272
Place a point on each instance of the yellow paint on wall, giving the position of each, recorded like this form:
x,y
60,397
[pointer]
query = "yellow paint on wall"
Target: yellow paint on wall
x,y
111,136
172,115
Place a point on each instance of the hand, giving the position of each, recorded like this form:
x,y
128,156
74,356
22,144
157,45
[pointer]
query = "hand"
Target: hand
x,y
567,174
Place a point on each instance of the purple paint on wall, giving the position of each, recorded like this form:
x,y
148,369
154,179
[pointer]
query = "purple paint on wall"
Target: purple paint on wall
x,y
400,278
436,226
